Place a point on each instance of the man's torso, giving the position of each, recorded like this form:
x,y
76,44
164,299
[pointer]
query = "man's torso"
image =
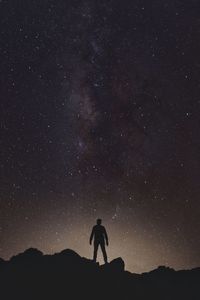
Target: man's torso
x,y
99,232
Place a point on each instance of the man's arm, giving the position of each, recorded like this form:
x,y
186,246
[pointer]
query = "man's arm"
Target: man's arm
x,y
106,236
92,235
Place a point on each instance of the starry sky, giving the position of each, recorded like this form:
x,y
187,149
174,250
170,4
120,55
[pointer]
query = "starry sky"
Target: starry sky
x,y
99,117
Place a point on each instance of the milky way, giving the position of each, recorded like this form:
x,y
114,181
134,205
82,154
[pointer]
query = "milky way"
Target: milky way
x,y
100,118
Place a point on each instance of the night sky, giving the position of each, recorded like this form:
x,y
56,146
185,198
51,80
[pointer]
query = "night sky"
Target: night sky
x,y
100,118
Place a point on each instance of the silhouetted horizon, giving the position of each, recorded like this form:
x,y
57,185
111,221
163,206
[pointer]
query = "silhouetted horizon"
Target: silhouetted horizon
x,y
36,250
66,274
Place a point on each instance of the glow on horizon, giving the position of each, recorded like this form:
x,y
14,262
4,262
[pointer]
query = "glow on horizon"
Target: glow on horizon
x,y
140,251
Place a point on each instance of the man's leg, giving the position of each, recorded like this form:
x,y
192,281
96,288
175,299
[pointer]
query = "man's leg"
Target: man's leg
x,y
104,252
96,245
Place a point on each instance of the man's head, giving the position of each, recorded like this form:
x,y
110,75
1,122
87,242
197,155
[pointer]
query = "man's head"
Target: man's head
x,y
99,221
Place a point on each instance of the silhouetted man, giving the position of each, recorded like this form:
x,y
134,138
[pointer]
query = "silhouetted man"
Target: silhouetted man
x,y
100,236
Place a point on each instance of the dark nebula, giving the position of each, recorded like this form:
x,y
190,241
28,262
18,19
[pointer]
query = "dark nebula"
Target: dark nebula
x,y
100,118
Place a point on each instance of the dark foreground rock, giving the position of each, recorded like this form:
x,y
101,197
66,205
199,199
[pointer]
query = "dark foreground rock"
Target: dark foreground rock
x,y
66,275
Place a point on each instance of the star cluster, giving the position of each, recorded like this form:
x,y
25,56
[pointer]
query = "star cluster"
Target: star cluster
x,y
100,118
